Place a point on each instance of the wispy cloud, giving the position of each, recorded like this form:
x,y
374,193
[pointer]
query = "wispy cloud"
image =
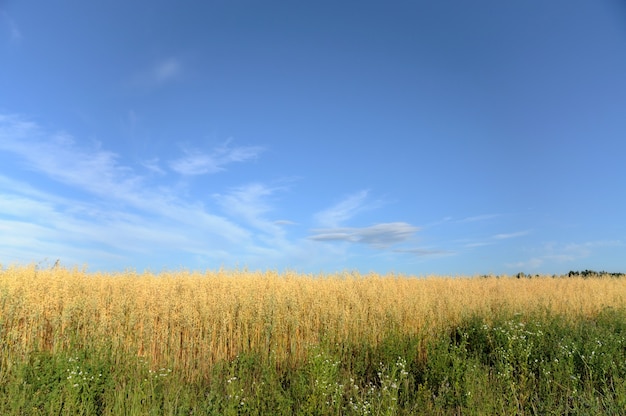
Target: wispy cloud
x,y
421,252
249,203
378,236
477,218
36,225
82,203
532,263
284,222
466,220
477,244
506,236
153,166
559,254
167,70
128,204
11,27
196,162
56,155
107,214
493,239
574,251
126,216
343,210
159,73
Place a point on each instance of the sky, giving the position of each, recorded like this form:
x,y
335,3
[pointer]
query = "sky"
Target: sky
x,y
413,137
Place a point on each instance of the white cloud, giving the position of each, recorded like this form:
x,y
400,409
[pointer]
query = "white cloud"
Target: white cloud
x,y
532,263
422,252
379,235
492,239
506,236
195,163
36,226
477,244
99,173
249,203
167,70
161,218
284,222
199,163
159,73
153,166
11,27
82,204
56,155
126,216
558,254
74,231
476,218
581,250
343,211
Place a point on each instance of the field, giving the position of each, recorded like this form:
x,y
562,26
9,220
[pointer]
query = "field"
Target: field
x,y
240,342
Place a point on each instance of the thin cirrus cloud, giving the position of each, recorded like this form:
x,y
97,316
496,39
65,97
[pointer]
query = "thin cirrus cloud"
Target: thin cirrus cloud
x,y
506,236
34,224
57,156
10,27
494,239
343,211
159,73
477,218
563,253
118,188
421,252
249,204
200,163
154,219
153,165
51,227
166,70
379,235
285,222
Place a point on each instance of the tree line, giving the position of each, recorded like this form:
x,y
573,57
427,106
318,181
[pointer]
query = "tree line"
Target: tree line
x,y
575,273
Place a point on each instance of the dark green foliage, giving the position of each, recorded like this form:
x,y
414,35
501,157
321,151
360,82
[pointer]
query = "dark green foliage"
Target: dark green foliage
x,y
56,384
513,364
592,273
572,273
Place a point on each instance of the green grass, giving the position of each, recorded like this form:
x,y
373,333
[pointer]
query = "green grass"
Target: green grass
x,y
511,364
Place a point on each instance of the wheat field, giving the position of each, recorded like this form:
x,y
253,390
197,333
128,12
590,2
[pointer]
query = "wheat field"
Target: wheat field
x,y
191,320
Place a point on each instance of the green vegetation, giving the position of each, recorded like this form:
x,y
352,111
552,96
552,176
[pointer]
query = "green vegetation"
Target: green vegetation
x,y
593,273
265,343
510,363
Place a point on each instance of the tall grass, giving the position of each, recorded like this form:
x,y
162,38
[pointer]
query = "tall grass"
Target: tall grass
x,y
298,333
192,320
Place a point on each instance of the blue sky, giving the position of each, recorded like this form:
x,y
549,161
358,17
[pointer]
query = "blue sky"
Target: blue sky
x,y
420,137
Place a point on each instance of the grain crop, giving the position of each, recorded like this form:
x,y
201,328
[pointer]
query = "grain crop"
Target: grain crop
x,y
191,320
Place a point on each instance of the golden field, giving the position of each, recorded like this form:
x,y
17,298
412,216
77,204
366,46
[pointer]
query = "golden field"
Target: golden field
x,y
191,320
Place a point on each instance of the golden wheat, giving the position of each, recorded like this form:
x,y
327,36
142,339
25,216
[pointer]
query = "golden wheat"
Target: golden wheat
x,y
191,320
